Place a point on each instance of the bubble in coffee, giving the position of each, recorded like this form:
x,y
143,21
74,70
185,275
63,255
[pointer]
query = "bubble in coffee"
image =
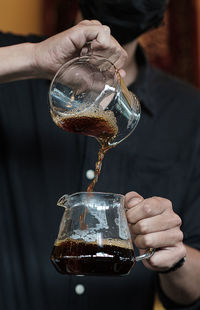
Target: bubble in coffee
x,y
111,258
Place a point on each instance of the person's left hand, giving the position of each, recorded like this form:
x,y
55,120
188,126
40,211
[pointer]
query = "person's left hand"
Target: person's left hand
x,y
153,224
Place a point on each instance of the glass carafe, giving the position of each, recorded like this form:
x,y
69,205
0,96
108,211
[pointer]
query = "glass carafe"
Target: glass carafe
x,y
94,237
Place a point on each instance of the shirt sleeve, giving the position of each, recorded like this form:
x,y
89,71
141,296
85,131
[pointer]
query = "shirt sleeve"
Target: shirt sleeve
x,y
190,212
7,39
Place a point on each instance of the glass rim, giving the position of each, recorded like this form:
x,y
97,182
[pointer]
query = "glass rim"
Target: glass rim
x,y
71,61
96,193
64,198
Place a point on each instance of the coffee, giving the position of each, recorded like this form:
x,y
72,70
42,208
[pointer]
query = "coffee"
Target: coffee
x,y
104,148
112,258
96,123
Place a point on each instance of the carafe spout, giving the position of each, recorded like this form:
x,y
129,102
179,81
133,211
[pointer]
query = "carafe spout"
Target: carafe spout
x,y
62,201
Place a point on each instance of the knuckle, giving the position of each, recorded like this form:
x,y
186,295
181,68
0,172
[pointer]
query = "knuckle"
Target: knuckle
x,y
157,198
147,208
177,219
96,22
173,218
106,28
168,203
131,194
142,227
165,201
181,249
129,197
84,22
146,241
180,235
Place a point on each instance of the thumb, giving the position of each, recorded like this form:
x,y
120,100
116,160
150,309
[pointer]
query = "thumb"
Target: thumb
x,y
132,199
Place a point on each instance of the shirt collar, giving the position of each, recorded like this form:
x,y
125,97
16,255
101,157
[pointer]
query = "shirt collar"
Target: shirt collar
x,y
141,87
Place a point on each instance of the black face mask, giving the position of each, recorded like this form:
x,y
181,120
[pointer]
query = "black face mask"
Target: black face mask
x,y
127,19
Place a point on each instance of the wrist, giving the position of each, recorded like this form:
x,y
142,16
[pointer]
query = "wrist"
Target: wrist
x,y
28,69
176,266
37,65
42,62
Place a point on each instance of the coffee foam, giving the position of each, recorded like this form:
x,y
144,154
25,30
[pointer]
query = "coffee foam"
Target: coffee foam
x,y
93,113
127,244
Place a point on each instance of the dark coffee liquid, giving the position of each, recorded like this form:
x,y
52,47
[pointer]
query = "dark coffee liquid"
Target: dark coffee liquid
x,y
99,124
79,258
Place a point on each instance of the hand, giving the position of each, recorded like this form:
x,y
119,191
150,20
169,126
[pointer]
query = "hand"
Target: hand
x,y
55,51
153,224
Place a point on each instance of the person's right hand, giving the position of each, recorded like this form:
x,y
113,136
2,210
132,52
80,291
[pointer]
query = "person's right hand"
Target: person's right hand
x,y
52,53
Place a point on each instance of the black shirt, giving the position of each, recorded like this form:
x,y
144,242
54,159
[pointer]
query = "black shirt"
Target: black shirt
x,y
39,163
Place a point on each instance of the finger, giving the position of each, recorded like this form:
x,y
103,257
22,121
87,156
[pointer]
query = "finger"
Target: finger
x,y
96,22
106,45
87,31
103,38
101,41
132,199
167,257
165,221
119,56
148,208
88,22
159,239
84,51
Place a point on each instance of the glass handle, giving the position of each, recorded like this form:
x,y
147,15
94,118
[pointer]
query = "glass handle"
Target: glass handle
x,y
146,255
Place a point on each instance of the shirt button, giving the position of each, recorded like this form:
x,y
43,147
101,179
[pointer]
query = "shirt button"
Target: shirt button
x,y
79,289
90,174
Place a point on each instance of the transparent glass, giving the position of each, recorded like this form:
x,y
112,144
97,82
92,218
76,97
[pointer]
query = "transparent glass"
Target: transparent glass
x,y
88,96
94,237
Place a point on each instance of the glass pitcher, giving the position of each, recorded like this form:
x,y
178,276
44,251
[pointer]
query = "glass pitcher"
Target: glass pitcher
x,y
94,237
88,96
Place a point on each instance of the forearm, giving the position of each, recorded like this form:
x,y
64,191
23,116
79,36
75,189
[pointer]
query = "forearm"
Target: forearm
x,y
183,285
17,62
